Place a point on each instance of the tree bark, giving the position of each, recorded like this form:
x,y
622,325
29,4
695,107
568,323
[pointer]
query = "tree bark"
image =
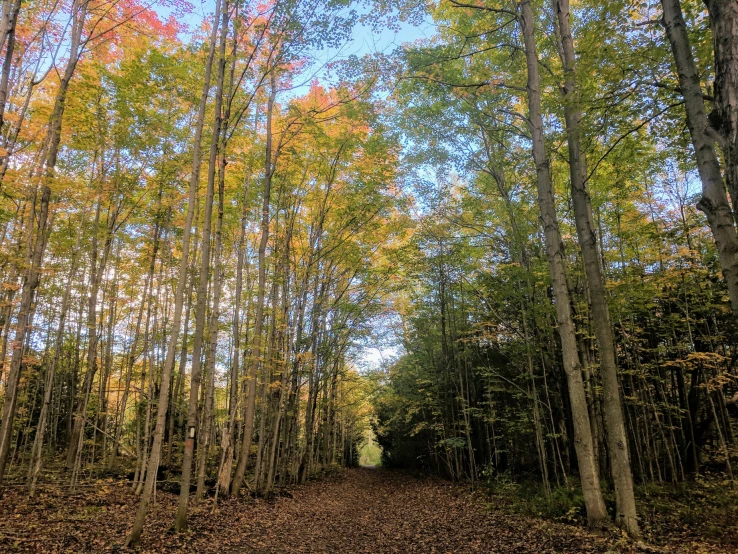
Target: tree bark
x,y
34,465
150,484
213,340
724,119
195,374
622,475
32,277
714,202
261,290
97,271
595,505
7,39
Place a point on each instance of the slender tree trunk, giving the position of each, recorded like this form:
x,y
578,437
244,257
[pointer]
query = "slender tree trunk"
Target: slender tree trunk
x,y
304,467
261,289
622,475
103,410
34,465
595,505
132,354
714,202
213,340
43,227
8,40
229,435
150,484
195,375
179,385
151,349
97,271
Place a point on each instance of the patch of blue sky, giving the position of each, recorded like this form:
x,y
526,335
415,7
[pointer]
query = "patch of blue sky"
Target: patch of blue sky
x,y
366,37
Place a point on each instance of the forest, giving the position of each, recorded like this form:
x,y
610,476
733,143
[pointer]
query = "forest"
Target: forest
x,y
247,246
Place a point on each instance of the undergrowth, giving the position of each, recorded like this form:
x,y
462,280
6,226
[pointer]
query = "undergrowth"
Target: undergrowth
x,y
705,508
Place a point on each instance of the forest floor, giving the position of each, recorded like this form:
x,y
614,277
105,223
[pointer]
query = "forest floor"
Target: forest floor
x,y
365,510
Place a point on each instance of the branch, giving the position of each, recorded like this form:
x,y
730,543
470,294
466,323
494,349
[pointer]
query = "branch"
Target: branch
x,y
483,8
630,132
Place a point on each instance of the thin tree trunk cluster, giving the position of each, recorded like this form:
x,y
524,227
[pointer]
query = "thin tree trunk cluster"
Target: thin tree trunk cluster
x,y
590,431
186,317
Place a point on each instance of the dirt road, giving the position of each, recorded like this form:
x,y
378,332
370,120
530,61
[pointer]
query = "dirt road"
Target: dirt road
x,y
375,510
357,511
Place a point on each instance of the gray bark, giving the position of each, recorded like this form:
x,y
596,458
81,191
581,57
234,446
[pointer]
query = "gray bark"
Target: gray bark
x,y
195,374
259,316
714,202
135,534
595,505
617,438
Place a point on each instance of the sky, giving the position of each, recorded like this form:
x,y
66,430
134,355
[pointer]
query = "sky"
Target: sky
x,y
363,40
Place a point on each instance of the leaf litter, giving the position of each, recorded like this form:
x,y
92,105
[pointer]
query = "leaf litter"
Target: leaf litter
x,y
361,511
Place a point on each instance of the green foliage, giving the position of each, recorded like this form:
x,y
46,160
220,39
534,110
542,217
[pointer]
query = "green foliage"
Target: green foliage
x,y
565,503
478,391
370,454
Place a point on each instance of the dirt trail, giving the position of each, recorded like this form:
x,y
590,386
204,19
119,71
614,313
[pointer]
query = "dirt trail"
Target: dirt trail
x,y
374,510
356,511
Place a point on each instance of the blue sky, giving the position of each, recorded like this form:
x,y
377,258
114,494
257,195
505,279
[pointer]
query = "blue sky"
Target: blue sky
x,y
363,40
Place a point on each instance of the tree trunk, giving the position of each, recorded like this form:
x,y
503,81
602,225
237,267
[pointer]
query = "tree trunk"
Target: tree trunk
x,y
724,120
32,277
132,354
195,375
622,475
34,465
7,39
135,534
595,505
214,319
96,274
259,316
714,201
229,435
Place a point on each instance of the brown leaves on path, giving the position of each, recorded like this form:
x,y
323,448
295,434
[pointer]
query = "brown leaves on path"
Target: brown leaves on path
x,y
356,511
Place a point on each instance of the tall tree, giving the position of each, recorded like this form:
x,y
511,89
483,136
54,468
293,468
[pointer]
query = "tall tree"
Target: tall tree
x,y
596,512
714,202
622,476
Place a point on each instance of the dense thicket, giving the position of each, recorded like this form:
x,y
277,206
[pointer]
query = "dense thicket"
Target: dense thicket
x,y
568,302
191,240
